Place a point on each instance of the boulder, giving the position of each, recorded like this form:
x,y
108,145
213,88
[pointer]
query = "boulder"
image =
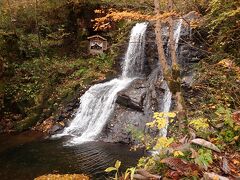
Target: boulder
x,y
133,96
134,108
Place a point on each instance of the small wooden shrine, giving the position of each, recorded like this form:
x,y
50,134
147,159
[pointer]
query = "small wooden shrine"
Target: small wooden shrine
x,y
97,44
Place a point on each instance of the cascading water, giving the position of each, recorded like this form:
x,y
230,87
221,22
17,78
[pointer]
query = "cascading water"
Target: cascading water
x,y
97,104
177,33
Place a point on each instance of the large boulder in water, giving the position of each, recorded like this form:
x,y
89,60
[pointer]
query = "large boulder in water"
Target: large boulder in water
x,y
134,108
133,96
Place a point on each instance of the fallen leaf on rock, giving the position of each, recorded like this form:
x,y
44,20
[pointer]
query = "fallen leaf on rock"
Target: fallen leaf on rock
x,y
225,166
204,143
146,174
173,174
213,176
179,147
236,162
62,123
194,153
183,140
236,117
234,168
139,177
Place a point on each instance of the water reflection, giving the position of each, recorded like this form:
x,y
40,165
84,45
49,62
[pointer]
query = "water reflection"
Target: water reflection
x,y
29,160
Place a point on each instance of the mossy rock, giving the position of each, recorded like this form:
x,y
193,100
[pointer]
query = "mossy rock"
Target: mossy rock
x,y
174,86
26,123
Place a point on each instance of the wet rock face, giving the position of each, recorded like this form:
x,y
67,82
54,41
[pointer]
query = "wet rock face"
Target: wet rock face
x,y
136,104
133,97
134,108
121,123
151,50
189,55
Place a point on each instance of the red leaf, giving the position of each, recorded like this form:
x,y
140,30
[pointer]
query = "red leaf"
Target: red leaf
x,y
181,166
236,117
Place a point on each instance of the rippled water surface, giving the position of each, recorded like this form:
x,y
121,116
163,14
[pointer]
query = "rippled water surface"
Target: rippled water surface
x,y
25,158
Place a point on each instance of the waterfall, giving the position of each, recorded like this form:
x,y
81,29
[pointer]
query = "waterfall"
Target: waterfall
x,y
166,106
97,104
134,58
177,33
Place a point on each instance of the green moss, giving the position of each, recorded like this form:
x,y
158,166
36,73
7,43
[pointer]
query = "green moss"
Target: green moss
x,y
26,123
35,84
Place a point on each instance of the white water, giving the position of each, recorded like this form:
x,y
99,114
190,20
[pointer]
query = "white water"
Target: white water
x,y
167,101
177,33
97,104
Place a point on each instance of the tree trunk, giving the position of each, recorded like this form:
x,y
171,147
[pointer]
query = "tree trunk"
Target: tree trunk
x,y
171,76
159,41
171,37
175,80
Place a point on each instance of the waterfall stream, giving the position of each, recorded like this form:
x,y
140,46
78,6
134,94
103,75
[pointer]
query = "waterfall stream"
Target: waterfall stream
x,y
177,32
97,104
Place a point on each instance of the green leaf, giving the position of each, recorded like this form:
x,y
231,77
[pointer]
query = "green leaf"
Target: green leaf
x,y
110,169
117,164
204,158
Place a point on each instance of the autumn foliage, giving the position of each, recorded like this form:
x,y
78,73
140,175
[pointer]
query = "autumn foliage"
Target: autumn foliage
x,y
107,18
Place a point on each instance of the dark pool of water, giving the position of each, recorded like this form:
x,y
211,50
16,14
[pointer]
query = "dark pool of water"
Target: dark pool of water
x,y
22,159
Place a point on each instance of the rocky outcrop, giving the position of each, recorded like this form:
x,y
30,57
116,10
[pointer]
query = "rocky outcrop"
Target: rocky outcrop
x,y
133,97
136,104
134,108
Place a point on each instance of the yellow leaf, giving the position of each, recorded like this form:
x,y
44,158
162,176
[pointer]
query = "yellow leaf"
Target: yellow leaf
x,y
110,169
236,138
178,153
151,124
163,142
171,114
117,164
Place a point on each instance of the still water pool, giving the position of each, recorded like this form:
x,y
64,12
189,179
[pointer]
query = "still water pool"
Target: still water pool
x,y
24,157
